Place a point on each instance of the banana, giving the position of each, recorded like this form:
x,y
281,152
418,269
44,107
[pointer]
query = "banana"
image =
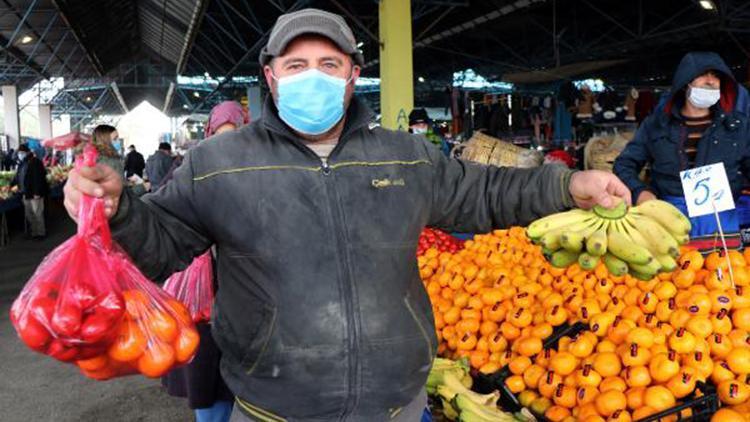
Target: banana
x,y
623,247
587,261
474,416
641,276
574,238
651,267
615,265
615,213
665,214
661,240
452,387
682,239
668,264
596,244
548,252
572,241
627,226
563,258
551,239
556,221
469,410
467,381
448,411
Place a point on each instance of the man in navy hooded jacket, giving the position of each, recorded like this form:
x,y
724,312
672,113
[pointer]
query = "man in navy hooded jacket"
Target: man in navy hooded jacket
x,y
699,124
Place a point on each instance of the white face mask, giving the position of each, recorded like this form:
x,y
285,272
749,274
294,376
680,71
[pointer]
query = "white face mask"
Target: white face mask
x,y
21,155
419,130
703,97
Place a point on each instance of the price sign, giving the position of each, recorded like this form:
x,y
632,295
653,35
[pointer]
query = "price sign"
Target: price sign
x,y
705,188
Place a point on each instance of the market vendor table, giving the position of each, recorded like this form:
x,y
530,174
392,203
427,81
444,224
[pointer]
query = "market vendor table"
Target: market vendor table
x,y
7,205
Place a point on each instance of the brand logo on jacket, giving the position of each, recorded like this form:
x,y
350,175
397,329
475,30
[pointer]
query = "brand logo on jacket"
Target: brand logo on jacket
x,y
387,183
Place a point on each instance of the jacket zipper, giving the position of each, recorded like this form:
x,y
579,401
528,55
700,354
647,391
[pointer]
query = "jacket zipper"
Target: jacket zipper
x,y
352,327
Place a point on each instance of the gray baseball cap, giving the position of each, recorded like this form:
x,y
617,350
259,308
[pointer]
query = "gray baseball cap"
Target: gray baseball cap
x,y
310,21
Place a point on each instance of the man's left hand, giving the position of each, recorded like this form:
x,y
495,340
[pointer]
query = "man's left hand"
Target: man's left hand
x,y
595,187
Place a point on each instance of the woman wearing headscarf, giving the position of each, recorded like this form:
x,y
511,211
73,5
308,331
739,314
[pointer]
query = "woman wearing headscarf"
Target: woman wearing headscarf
x,y
200,381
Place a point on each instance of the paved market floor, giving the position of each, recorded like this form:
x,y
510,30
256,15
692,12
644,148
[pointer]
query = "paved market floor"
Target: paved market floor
x,y
39,389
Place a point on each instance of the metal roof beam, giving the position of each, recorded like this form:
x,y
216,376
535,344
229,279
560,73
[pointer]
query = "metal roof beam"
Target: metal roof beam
x,y
216,46
231,37
118,95
251,13
356,20
255,24
44,35
54,51
168,98
95,63
231,23
251,51
610,18
20,23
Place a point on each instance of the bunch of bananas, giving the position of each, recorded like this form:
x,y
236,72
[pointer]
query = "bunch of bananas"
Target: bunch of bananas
x,y
642,240
451,382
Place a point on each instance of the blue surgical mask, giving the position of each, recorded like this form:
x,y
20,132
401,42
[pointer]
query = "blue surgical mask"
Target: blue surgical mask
x,y
311,102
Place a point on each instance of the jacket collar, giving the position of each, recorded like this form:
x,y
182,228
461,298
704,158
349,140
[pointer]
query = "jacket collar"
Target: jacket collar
x,y
730,120
358,115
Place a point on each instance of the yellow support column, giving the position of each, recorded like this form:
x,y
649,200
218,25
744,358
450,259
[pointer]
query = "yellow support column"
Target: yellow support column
x,y
396,73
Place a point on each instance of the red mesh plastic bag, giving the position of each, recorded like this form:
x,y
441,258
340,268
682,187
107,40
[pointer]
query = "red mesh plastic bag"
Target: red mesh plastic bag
x,y
194,287
156,333
88,304
71,308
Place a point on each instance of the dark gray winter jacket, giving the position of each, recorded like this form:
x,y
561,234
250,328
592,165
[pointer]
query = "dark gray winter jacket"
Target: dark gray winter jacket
x,y
320,312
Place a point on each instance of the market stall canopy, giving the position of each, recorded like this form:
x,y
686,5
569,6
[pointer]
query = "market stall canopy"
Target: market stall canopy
x,y
557,73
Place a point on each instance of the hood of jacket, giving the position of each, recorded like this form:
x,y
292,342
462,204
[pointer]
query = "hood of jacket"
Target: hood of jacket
x,y
693,65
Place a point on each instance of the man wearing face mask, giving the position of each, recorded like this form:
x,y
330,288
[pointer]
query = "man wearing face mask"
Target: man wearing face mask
x,y
420,124
315,212
31,179
698,124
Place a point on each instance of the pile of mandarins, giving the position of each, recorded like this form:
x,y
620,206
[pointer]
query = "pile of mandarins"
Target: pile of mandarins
x,y
648,344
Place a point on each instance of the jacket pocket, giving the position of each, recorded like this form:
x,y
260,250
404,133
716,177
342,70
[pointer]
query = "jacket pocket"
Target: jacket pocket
x,y
667,156
426,328
246,316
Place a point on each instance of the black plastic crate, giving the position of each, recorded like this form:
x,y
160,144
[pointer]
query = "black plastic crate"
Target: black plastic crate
x,y
488,383
703,407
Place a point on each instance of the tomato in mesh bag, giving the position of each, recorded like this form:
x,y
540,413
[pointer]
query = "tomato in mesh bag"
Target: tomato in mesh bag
x,y
156,333
87,303
71,307
194,287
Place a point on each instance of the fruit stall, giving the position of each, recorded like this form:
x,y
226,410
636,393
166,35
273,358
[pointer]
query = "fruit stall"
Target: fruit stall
x,y
600,315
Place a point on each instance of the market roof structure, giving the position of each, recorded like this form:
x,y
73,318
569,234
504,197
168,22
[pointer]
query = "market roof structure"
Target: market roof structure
x,y
115,53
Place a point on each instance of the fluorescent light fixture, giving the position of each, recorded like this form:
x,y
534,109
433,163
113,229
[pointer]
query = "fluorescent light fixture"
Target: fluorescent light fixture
x,y
707,4
27,39
196,94
420,79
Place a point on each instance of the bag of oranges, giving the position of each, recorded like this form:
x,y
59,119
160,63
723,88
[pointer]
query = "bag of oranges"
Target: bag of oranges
x,y
156,333
71,307
194,287
88,304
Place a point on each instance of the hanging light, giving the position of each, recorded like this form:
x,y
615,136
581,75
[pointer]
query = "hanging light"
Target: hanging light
x,y
196,94
420,79
26,39
707,4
